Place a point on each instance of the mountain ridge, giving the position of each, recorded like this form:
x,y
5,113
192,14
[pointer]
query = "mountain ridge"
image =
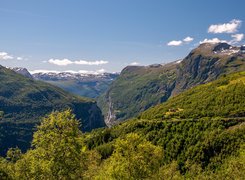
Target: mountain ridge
x,y
24,101
146,86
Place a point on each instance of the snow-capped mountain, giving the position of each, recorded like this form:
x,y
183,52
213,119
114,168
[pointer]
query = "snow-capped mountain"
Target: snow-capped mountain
x,y
22,71
83,84
55,76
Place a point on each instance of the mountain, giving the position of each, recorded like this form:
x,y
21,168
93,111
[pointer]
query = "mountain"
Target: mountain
x,y
141,87
224,97
24,101
198,130
22,71
87,85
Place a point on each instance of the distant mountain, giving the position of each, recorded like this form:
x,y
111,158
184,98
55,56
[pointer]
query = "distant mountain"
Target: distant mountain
x,y
22,71
24,101
87,85
141,87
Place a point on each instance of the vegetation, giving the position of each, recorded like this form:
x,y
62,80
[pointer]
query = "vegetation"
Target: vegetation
x,y
148,86
25,101
221,98
199,134
202,149
143,87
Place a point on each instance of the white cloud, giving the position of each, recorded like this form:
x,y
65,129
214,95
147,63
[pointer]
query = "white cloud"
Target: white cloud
x,y
82,62
65,62
174,43
188,39
5,56
60,62
134,64
213,41
230,27
19,58
100,71
237,37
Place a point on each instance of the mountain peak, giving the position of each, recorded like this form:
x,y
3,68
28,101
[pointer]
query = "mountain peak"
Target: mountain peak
x,y
221,49
22,71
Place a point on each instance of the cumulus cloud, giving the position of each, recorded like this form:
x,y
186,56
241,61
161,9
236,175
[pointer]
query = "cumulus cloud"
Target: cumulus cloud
x,y
213,41
5,56
230,27
60,62
100,71
65,62
174,43
237,37
134,64
188,39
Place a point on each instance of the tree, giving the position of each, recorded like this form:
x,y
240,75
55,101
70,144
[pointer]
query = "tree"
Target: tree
x,y
58,151
14,154
133,158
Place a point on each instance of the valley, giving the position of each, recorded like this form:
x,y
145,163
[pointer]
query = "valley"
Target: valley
x,y
180,120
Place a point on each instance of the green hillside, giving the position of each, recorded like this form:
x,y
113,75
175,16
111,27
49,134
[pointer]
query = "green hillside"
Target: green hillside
x,y
224,97
205,144
141,87
137,89
198,130
24,101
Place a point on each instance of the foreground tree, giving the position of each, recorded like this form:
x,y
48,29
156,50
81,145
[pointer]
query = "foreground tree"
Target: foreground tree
x,y
58,151
133,158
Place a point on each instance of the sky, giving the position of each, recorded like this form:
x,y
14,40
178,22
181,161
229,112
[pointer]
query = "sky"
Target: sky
x,y
95,36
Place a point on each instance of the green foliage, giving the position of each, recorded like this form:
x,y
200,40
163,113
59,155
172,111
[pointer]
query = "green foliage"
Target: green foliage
x,y
202,145
233,168
5,169
139,88
204,141
136,149
132,158
14,154
58,151
25,102
221,98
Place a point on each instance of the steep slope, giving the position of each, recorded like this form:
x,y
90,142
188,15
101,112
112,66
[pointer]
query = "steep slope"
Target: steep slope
x,y
201,127
206,63
86,85
136,89
139,88
24,101
224,97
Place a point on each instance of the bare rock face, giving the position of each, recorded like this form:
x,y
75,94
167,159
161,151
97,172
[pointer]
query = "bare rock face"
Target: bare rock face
x,y
221,46
22,71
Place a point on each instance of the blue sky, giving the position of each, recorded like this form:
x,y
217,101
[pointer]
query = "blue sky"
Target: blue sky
x,y
96,35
